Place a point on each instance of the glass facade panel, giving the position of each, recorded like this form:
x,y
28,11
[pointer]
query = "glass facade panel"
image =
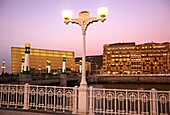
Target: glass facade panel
x,y
38,58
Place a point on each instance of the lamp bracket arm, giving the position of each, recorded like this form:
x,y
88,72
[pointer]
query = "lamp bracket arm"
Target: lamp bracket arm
x,y
76,21
96,19
87,22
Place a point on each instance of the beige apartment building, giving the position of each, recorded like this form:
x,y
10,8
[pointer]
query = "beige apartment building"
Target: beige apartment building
x,y
129,58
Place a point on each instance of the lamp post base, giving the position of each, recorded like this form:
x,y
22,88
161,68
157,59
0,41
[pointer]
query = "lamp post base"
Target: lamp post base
x,y
82,103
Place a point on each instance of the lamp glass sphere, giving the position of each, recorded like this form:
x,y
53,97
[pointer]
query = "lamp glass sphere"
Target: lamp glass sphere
x,y
102,11
64,56
67,14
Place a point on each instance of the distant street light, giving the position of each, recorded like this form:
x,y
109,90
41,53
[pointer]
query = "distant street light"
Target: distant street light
x,y
80,66
48,66
39,70
64,64
96,69
3,67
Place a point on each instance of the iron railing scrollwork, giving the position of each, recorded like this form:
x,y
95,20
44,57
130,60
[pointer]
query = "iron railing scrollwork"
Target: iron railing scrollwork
x,y
129,102
100,100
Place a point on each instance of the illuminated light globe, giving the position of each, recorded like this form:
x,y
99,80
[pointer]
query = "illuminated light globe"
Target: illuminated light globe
x,y
67,14
64,56
27,45
102,11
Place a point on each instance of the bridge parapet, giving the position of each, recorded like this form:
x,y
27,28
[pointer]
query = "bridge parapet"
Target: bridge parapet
x,y
63,79
100,100
135,75
133,78
42,79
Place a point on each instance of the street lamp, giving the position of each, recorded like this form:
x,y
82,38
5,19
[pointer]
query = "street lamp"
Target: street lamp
x,y
83,20
48,66
39,70
96,69
3,67
64,64
80,67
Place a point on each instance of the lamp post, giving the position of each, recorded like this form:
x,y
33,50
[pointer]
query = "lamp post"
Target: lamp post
x,y
64,64
27,59
80,67
22,65
84,19
96,69
3,68
48,66
39,70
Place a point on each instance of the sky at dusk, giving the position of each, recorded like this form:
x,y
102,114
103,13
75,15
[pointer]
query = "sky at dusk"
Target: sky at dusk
x,y
40,23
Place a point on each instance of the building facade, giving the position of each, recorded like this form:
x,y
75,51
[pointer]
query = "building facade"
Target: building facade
x,y
39,59
129,58
96,62
76,68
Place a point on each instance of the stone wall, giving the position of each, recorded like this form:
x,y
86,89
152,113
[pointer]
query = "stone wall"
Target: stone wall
x,y
127,79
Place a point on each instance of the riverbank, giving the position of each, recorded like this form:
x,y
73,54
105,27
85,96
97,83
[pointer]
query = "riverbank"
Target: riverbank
x,y
134,86
134,79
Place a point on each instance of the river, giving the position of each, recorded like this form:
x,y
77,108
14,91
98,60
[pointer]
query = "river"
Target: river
x,y
164,87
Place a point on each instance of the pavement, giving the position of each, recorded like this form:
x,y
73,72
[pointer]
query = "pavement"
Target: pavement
x,y
13,111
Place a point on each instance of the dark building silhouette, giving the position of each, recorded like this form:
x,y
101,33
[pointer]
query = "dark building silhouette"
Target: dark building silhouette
x,y
96,63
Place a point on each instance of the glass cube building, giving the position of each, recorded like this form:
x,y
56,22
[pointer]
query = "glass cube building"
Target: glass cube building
x,y
38,59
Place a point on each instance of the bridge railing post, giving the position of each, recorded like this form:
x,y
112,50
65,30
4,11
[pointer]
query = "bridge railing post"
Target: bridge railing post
x,y
91,101
63,79
75,96
154,102
26,96
169,102
1,93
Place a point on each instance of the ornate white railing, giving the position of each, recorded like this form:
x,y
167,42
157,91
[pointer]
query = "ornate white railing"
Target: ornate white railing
x,y
39,97
11,95
100,101
51,98
133,75
129,102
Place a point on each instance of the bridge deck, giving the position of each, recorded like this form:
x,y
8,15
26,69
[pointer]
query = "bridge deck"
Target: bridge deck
x,y
10,111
